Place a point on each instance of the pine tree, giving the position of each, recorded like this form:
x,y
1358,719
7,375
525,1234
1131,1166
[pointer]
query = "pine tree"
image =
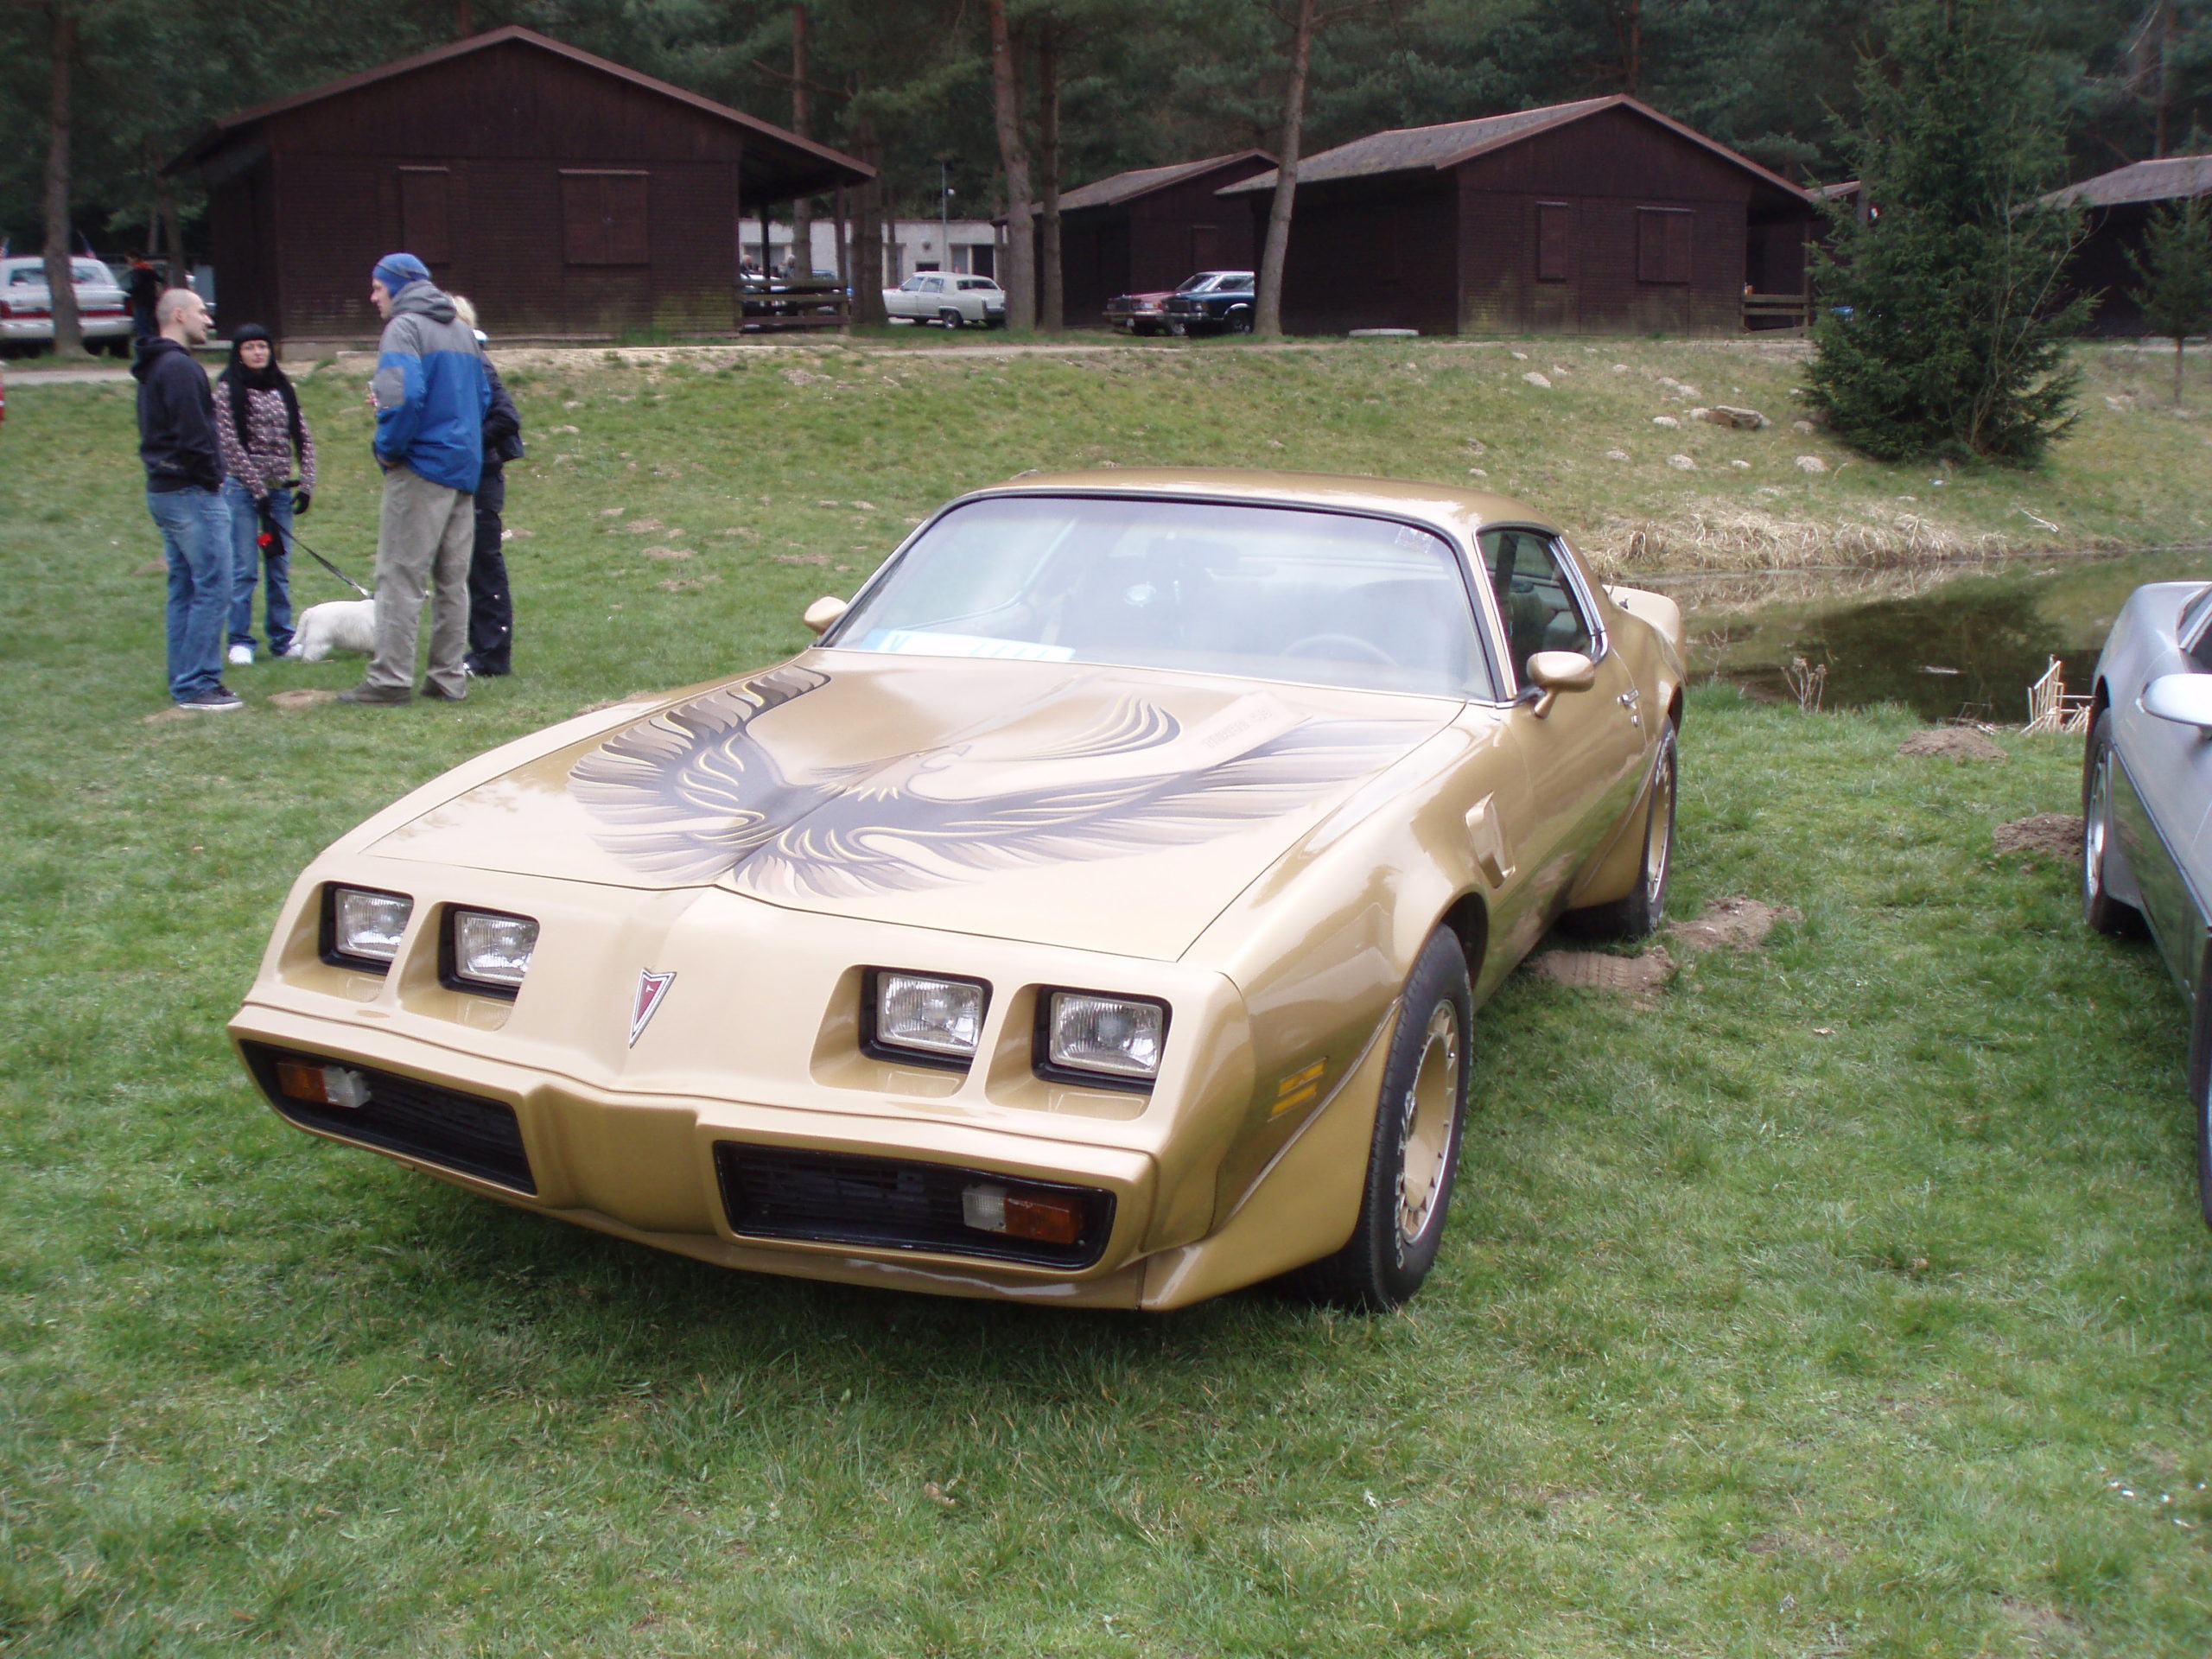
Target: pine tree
x,y
1943,328
2175,266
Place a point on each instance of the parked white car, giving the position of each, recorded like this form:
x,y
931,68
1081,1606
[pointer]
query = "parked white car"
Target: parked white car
x,y
947,297
27,312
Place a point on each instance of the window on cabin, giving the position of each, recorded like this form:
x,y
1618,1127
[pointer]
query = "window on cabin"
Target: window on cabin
x,y
603,218
1662,245
1554,242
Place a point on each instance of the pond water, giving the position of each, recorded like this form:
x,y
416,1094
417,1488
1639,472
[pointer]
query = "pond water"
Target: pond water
x,y
1946,641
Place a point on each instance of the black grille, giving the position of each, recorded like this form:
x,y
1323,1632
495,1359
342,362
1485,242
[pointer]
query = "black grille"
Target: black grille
x,y
443,1126
830,1198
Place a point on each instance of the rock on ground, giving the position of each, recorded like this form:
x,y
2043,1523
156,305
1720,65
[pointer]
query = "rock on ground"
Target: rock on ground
x,y
1953,742
1682,463
1593,970
1811,464
1738,923
2057,834
1745,420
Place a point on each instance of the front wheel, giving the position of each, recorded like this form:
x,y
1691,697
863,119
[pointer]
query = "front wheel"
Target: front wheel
x,y
1638,915
2099,908
1414,1153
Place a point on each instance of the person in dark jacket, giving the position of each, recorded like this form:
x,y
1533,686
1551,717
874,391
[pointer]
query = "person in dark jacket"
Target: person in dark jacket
x,y
184,482
142,288
263,435
491,604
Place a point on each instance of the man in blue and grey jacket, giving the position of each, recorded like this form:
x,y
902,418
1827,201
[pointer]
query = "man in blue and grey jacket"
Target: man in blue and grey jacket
x,y
431,393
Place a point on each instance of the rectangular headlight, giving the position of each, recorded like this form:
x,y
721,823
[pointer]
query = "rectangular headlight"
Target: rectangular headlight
x,y
1106,1038
922,1017
362,927
490,951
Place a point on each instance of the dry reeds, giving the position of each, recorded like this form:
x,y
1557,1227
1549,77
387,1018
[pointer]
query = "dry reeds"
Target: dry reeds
x,y
1724,538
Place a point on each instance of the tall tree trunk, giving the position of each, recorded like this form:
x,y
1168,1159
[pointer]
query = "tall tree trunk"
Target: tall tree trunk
x,y
1051,296
803,209
1267,319
61,281
2165,72
1628,30
168,247
867,274
1020,277
2178,343
464,20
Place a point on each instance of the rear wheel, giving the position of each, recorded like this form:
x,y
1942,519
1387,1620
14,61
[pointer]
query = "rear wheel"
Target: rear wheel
x,y
2099,908
1240,319
1640,914
951,318
1415,1153
2200,1094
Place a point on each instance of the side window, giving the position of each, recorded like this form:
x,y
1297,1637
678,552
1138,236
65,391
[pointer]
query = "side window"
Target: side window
x,y
2195,639
1536,601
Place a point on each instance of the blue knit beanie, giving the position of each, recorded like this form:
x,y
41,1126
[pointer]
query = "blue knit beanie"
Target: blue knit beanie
x,y
396,270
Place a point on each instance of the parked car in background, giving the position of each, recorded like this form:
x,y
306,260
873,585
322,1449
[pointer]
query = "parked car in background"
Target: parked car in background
x,y
1139,314
2146,784
27,309
1095,917
947,297
1212,302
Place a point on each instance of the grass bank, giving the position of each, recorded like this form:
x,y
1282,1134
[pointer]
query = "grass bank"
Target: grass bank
x,y
1849,1300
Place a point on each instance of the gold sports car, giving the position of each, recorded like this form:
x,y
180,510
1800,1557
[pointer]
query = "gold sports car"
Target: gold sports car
x,y
1095,917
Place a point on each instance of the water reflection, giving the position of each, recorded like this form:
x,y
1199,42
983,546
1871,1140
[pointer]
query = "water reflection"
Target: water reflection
x,y
1945,642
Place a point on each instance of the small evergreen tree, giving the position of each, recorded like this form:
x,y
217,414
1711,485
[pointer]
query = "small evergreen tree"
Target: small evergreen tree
x,y
1942,328
2175,266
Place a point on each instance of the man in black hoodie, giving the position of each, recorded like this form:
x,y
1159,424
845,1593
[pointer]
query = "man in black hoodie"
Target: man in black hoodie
x,y
184,484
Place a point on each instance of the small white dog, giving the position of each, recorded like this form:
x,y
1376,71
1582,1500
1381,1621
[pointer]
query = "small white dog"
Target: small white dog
x,y
336,624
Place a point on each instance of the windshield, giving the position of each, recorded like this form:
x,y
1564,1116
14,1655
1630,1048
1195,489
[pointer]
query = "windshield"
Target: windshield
x,y
1271,593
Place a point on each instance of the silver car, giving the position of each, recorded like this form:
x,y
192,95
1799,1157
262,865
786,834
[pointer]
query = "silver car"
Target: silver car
x,y
2147,784
950,297
27,309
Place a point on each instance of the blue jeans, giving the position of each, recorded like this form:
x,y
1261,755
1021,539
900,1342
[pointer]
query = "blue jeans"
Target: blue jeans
x,y
247,557
196,537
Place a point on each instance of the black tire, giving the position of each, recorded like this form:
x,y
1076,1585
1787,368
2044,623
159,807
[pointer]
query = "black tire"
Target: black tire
x,y
2200,1093
1638,916
951,319
2099,908
1240,319
1422,1110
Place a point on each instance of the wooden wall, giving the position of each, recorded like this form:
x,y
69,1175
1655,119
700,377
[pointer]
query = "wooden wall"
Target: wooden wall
x,y
1156,240
466,157
1613,188
2100,267
1370,253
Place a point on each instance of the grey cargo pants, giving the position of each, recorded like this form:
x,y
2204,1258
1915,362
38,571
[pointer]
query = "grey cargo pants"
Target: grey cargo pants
x,y
424,540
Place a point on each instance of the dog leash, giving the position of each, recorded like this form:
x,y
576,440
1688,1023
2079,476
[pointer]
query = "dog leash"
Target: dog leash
x,y
271,529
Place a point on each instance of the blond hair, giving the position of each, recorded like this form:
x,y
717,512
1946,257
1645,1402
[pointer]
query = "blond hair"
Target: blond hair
x,y
465,307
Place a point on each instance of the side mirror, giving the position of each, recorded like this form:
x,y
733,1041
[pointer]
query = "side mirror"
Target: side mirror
x,y
2185,699
824,611
1554,672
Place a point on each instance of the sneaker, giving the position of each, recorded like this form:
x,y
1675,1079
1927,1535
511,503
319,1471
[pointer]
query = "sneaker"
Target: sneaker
x,y
241,656
216,699
366,693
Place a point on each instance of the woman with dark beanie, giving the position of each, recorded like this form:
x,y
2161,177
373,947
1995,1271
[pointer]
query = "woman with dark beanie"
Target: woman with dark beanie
x,y
261,432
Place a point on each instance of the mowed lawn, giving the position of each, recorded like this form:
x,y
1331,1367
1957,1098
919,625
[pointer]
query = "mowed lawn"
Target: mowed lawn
x,y
1850,1299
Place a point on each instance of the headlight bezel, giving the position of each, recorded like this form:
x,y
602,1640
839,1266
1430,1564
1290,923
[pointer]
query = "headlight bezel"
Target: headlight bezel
x,y
450,973
1053,1070
877,1046
328,945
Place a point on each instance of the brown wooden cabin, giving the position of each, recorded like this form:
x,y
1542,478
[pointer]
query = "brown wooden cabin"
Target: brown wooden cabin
x,y
1146,231
1599,217
570,197
2120,204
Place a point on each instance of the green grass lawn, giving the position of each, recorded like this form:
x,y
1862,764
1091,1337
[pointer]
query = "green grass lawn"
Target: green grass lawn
x,y
1850,1301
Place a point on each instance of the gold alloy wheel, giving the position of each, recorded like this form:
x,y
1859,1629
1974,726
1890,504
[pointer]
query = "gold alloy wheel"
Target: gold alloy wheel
x,y
1430,1108
1659,836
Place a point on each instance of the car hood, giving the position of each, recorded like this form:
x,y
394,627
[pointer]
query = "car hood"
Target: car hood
x,y
1108,808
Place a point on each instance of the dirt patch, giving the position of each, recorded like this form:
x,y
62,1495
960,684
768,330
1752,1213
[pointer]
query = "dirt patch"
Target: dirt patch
x,y
686,585
1592,970
169,716
154,568
2041,1623
1953,743
300,698
1738,924
1811,1545
659,552
2058,835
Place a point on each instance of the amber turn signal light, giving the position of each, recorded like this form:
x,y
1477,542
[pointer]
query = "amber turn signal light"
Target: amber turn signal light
x,y
322,1085
1047,1217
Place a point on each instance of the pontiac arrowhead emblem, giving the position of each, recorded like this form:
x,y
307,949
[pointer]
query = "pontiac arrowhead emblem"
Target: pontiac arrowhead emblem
x,y
652,988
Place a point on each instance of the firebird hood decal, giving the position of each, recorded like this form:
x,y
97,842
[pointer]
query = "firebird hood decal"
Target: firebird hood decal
x,y
697,793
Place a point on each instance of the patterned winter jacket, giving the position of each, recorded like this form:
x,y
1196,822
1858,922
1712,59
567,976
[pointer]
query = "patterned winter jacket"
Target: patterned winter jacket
x,y
263,460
